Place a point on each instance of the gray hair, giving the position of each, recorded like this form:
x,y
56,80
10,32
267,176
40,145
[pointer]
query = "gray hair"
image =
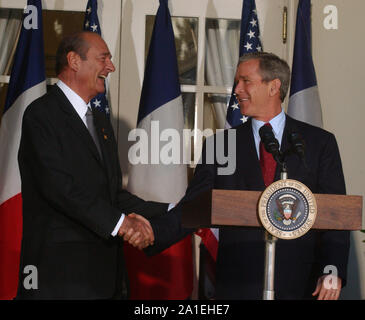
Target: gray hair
x,y
271,67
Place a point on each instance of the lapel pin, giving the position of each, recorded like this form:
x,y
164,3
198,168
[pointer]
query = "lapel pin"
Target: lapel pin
x,y
105,136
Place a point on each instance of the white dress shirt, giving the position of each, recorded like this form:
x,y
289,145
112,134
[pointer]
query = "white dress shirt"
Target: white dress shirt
x,y
277,123
80,107
77,102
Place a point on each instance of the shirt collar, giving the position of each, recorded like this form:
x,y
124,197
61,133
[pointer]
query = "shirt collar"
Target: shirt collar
x,y
77,102
277,123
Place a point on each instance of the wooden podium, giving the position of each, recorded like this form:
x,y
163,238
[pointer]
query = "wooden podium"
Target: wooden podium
x,y
217,208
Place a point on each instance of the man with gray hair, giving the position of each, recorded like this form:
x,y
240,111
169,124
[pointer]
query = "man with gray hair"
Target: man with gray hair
x,y
75,211
261,84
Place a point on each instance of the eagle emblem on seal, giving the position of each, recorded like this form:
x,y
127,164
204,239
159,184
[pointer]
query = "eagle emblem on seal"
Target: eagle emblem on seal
x,y
287,205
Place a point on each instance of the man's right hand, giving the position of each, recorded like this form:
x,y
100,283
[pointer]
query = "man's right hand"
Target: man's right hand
x,y
137,231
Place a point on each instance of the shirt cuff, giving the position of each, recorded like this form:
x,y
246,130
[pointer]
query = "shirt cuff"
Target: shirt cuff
x,y
117,227
171,205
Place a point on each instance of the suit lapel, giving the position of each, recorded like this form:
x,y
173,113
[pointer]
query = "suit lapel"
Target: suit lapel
x,y
76,123
104,142
292,160
283,147
248,164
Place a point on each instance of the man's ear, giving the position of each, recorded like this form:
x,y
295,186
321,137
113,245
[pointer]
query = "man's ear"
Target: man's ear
x,y
73,60
274,87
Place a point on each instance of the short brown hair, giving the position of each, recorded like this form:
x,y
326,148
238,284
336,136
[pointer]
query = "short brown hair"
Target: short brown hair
x,y
271,67
74,42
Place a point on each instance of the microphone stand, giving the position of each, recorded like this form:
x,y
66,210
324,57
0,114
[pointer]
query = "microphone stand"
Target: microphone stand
x,y
270,247
270,243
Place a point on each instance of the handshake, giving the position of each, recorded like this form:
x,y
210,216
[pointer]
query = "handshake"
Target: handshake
x,y
137,231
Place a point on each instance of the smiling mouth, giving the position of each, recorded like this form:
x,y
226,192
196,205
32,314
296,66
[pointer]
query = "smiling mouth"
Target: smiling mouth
x,y
102,77
244,99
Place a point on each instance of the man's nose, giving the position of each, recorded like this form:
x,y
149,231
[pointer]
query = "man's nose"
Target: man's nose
x,y
110,66
239,88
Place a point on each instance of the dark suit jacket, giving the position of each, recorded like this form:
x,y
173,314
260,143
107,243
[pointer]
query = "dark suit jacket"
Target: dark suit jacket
x,y
72,201
241,252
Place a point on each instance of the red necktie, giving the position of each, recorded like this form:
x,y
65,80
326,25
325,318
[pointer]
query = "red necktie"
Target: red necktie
x,y
267,163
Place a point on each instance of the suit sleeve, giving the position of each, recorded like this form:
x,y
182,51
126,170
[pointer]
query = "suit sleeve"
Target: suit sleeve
x,y
168,229
334,246
128,203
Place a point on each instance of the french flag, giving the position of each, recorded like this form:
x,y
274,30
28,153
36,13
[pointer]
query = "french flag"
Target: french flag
x,y
304,102
168,275
27,83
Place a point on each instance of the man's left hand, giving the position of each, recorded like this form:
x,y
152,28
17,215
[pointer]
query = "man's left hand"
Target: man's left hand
x,y
328,288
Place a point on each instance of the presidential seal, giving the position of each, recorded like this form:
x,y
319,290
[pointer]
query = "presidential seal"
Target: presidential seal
x,y
287,209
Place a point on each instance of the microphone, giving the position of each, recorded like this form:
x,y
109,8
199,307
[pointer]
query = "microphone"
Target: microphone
x,y
270,142
297,144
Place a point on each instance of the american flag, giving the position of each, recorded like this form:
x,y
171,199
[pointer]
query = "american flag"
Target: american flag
x,y
91,23
249,42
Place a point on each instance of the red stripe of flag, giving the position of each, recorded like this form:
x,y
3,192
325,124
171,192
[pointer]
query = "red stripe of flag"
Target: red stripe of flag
x,y
210,241
10,241
168,275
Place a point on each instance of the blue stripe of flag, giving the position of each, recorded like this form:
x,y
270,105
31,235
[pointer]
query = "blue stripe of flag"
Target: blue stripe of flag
x,y
29,68
303,73
161,78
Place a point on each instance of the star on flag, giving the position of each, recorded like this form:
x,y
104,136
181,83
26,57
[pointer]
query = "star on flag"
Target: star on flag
x,y
94,27
243,119
253,22
251,34
248,46
97,103
235,106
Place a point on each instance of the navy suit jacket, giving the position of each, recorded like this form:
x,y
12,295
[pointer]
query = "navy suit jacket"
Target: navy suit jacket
x,y
241,251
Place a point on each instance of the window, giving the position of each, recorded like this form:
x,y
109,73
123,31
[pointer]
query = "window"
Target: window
x,y
56,24
9,29
211,61
62,17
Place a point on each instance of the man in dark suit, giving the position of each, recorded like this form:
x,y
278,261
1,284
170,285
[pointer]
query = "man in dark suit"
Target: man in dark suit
x,y
74,208
262,82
